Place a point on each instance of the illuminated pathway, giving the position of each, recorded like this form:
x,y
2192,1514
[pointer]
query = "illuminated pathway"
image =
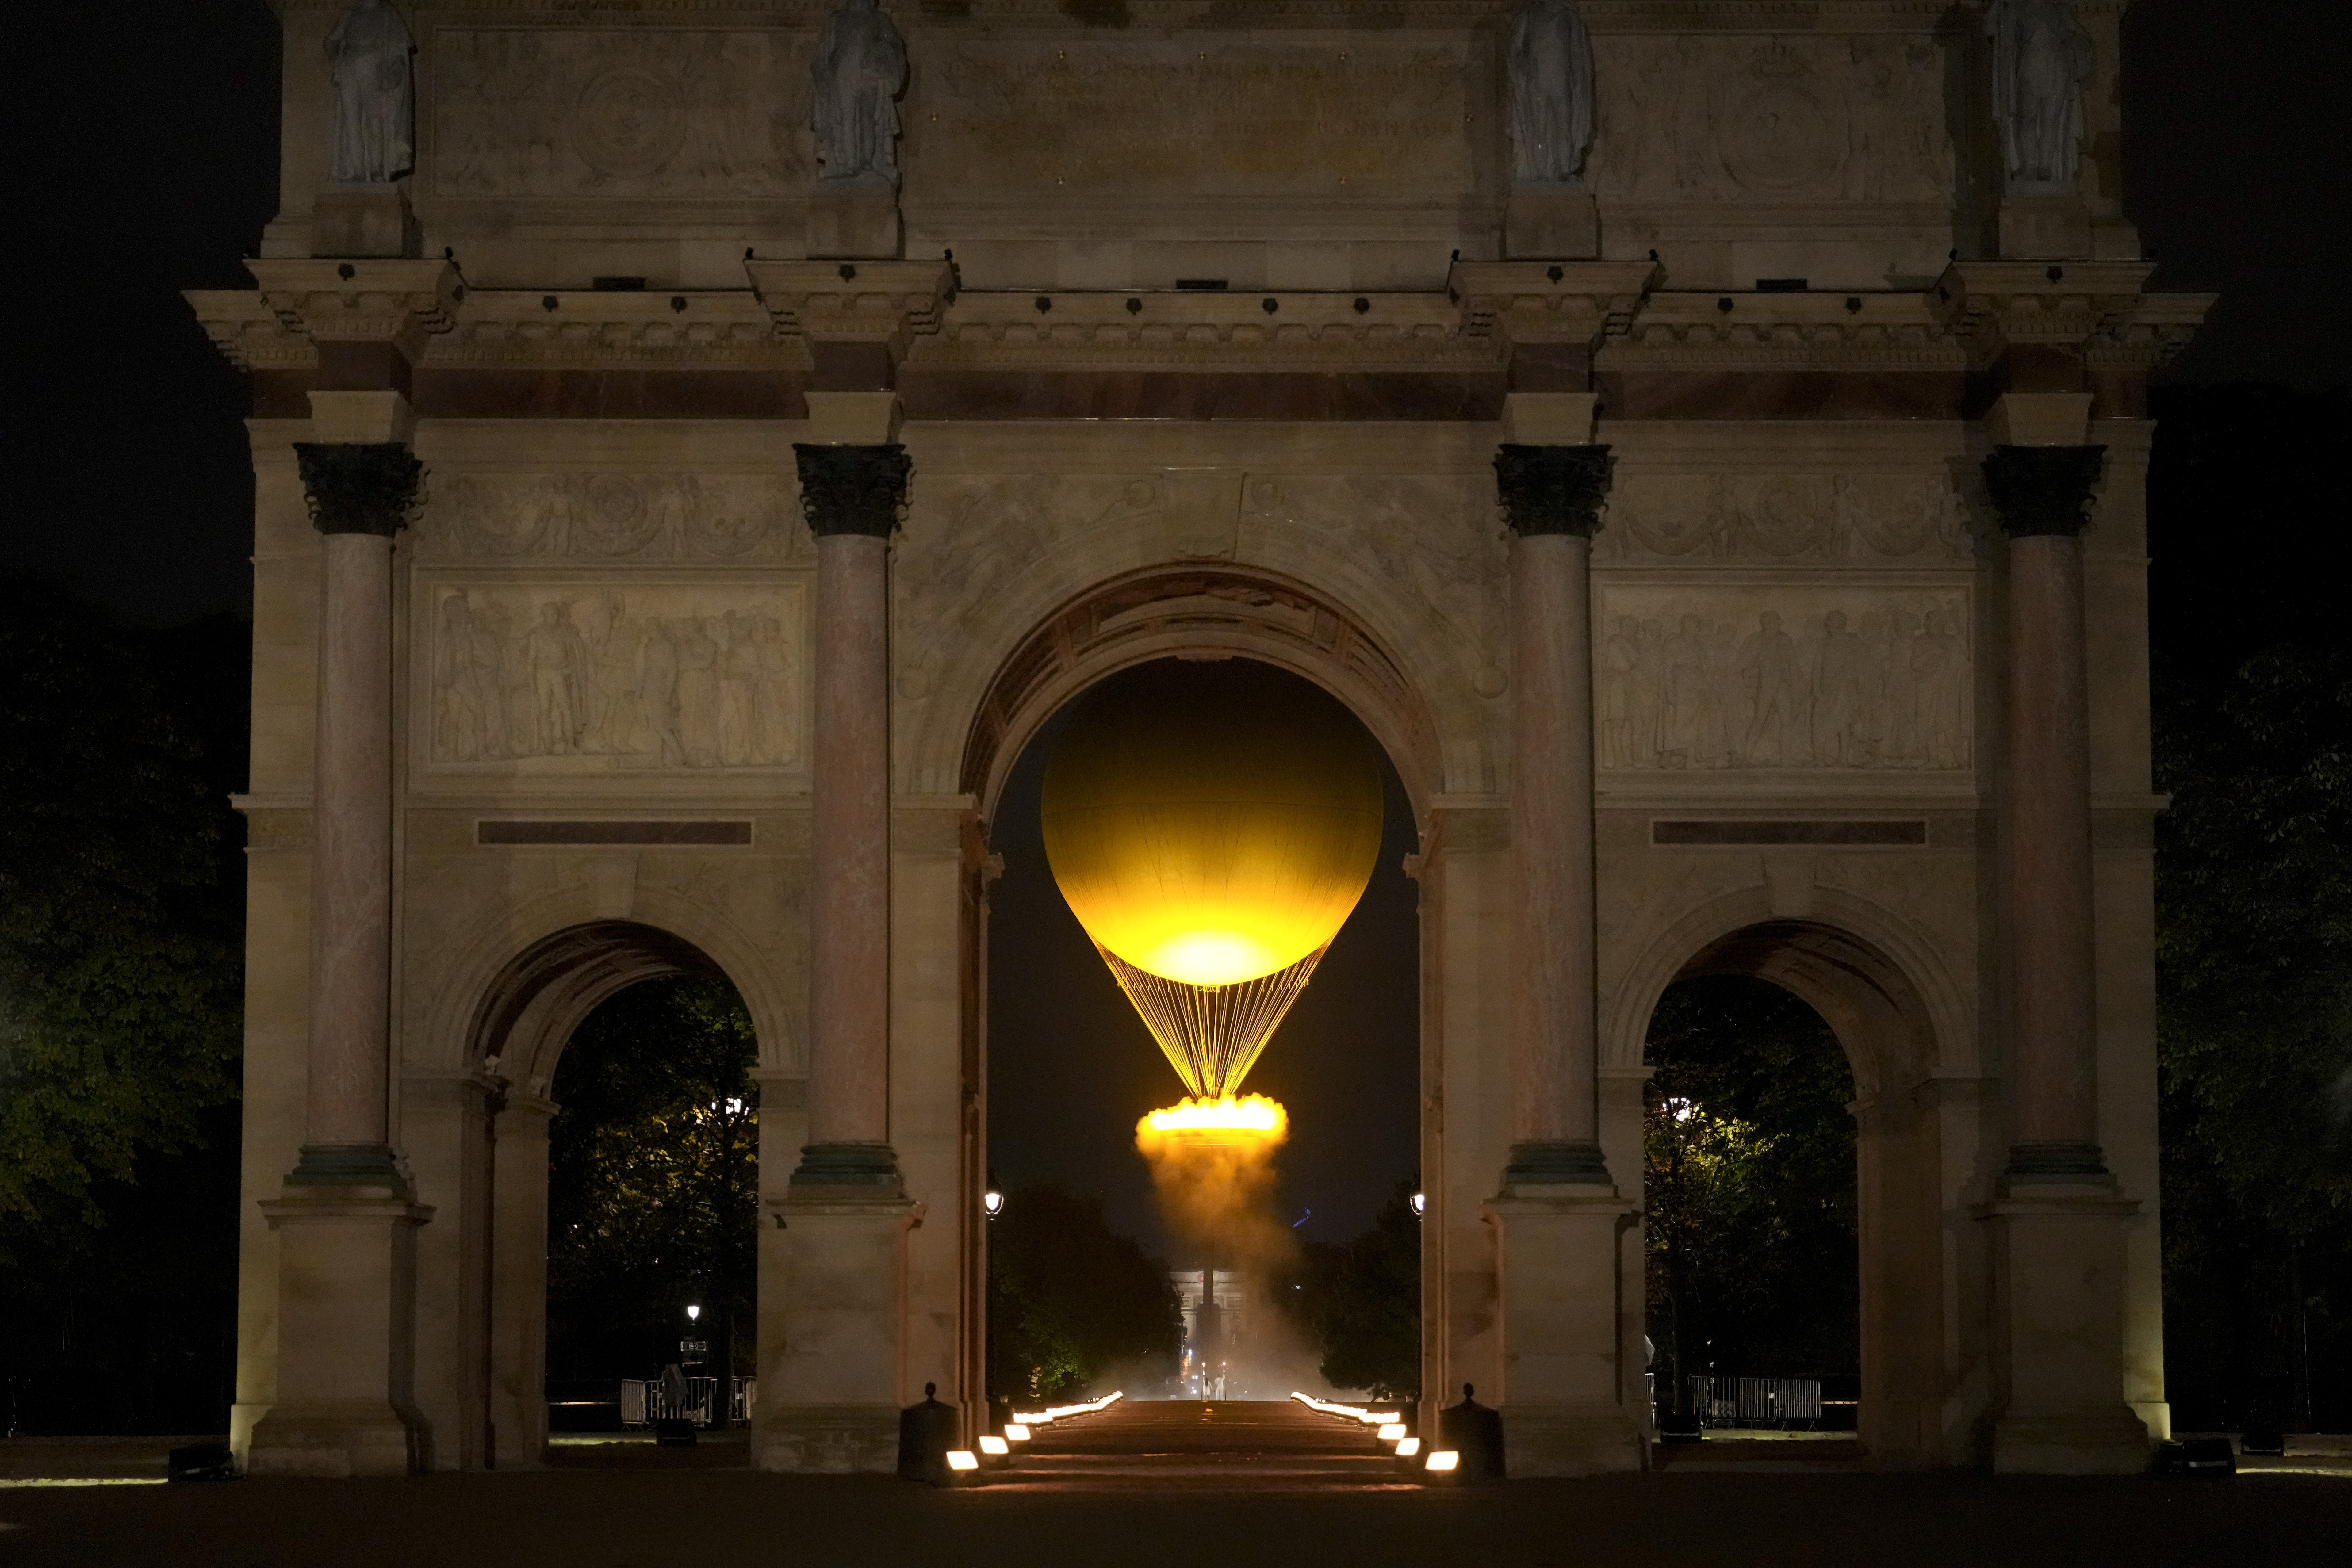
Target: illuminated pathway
x,y
1238,1445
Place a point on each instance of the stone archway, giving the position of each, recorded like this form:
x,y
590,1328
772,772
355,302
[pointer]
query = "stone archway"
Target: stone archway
x,y
521,1027
1202,612
1882,1021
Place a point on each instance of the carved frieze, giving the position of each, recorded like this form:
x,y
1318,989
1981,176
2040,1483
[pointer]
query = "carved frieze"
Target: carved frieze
x,y
1782,677
1692,117
1075,118
611,517
1844,520
701,113
1437,542
610,677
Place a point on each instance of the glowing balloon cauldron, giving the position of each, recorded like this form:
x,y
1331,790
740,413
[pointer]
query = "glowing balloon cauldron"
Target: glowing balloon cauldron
x,y
1211,827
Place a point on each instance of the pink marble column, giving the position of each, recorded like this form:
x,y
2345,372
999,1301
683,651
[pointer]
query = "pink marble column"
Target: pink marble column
x,y
851,495
360,495
2042,493
1552,497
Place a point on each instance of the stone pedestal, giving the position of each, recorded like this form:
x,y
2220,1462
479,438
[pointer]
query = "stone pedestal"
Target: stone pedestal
x,y
854,219
2034,227
346,1261
2058,1284
831,1404
1566,1371
364,221
1551,221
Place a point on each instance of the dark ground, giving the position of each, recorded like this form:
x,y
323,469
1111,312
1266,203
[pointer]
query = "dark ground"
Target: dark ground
x,y
639,1520
1230,1485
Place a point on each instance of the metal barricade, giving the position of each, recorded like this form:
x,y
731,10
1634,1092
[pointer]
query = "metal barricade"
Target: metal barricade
x,y
1756,1401
643,1402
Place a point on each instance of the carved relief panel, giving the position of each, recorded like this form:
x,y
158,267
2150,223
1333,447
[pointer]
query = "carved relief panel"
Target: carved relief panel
x,y
707,113
1812,119
610,676
1252,116
612,517
1847,519
1782,677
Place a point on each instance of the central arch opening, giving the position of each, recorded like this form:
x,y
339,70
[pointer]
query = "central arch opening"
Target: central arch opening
x,y
1093,1285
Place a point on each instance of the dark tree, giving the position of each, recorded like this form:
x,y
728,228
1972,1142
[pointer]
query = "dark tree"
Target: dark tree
x,y
653,1183
1359,1302
122,888
1749,1187
2254,1030
1071,1301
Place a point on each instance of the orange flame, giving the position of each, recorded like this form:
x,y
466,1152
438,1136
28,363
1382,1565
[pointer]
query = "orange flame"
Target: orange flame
x,y
1250,1119
1213,1163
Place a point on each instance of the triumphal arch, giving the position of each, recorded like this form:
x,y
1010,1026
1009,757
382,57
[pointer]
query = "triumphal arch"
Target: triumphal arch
x,y
698,443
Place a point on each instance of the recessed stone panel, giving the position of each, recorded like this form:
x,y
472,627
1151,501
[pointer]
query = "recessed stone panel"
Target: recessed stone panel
x,y
1782,677
609,678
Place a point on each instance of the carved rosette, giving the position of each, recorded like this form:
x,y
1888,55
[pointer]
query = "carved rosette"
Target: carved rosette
x,y
852,489
360,487
2043,490
1553,489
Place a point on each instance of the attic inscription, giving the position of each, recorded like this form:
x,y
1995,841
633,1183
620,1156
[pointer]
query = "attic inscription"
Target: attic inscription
x,y
1244,118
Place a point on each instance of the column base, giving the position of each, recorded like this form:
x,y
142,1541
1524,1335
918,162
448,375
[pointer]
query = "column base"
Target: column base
x,y
1545,1169
2059,1271
1565,1402
346,1323
830,1398
2071,1442
847,1169
339,1438
830,1439
1571,1440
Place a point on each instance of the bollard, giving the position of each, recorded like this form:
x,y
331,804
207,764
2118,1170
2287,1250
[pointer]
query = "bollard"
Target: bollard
x,y
1476,1432
926,1433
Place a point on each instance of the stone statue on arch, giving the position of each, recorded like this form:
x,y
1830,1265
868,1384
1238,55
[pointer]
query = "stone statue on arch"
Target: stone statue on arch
x,y
859,70
369,52
1549,68
2042,60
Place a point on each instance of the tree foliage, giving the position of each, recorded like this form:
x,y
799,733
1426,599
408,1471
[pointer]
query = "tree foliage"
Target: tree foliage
x,y
122,893
1358,1302
1070,1300
1749,1175
2254,1034
652,1188
119,964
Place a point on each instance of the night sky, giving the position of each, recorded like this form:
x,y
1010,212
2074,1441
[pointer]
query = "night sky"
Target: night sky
x,y
146,157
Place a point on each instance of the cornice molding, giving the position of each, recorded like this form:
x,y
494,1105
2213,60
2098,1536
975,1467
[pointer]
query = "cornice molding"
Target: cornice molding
x,y
1209,329
398,302
1993,307
1579,302
717,329
1707,329
883,302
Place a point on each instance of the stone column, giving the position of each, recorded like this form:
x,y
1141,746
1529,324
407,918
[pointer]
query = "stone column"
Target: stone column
x,y
852,495
2058,1220
2042,493
1552,498
833,1403
346,1218
1560,1222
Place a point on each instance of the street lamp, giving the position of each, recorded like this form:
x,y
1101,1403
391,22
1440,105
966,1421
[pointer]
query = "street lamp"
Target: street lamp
x,y
993,1201
1420,1204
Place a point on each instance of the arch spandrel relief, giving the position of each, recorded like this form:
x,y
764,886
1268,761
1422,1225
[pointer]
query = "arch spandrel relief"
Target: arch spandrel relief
x,y
1859,118
707,113
612,517
1794,677
615,677
1844,519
